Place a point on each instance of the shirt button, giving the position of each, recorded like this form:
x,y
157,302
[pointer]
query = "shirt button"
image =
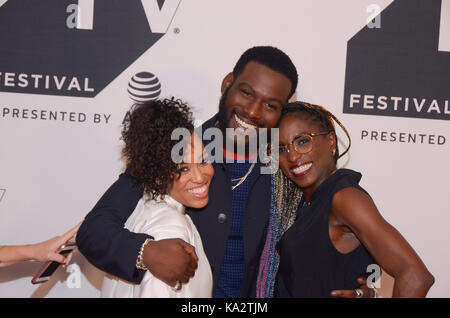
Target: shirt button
x,y
221,218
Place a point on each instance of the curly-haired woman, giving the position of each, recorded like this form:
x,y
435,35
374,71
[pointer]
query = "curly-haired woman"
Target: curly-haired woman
x,y
167,187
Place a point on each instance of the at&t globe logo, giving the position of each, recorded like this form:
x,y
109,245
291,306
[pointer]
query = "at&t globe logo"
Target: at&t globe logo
x,y
144,86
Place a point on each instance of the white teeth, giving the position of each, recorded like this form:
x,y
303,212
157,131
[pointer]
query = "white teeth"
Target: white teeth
x,y
302,168
243,124
198,190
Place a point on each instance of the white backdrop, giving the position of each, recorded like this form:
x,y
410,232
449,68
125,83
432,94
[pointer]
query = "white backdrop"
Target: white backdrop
x,y
53,172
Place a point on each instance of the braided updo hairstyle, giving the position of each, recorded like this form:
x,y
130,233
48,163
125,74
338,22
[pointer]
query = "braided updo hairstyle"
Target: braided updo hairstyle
x,y
319,115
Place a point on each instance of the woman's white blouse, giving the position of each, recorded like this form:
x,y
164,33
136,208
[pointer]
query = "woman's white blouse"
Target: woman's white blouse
x,y
163,219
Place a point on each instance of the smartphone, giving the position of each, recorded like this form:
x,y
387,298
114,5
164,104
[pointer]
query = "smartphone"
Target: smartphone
x,y
50,267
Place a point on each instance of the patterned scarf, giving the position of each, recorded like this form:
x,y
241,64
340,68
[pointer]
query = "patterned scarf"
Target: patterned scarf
x,y
285,198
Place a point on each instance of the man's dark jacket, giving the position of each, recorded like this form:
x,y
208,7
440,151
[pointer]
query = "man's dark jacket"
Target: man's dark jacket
x,y
105,242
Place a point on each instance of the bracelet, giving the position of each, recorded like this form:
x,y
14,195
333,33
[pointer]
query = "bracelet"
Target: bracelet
x,y
140,260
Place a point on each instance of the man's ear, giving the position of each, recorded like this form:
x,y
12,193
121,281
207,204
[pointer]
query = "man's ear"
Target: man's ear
x,y
227,81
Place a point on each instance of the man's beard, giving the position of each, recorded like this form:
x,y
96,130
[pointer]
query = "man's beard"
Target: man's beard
x,y
238,146
222,115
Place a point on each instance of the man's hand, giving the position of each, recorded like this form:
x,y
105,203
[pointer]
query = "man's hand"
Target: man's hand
x,y
170,260
351,293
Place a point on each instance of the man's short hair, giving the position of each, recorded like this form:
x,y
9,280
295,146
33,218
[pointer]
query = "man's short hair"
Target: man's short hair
x,y
271,57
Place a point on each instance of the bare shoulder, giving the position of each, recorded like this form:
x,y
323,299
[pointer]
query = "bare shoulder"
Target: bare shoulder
x,y
350,205
350,196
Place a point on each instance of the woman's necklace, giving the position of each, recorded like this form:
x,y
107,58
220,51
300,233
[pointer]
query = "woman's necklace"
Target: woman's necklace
x,y
242,179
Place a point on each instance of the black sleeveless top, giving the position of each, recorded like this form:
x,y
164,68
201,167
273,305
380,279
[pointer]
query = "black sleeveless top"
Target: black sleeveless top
x,y
310,265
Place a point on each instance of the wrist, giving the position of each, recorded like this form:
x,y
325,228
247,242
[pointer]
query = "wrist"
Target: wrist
x,y
26,253
140,259
18,253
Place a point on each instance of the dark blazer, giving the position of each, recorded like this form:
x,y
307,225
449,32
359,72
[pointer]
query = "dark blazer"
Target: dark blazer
x,y
110,247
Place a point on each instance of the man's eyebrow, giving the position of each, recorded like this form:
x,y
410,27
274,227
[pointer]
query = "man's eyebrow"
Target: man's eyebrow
x,y
247,85
251,88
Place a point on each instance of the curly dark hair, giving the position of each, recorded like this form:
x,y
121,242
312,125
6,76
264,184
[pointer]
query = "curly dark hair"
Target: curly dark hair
x,y
148,144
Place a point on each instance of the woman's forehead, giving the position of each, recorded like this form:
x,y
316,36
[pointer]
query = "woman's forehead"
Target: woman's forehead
x,y
298,122
194,150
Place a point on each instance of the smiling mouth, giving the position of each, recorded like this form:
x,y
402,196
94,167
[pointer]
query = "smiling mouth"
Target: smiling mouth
x,y
298,170
199,192
242,124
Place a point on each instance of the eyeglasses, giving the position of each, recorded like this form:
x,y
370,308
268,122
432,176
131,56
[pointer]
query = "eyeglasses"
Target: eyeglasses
x,y
302,143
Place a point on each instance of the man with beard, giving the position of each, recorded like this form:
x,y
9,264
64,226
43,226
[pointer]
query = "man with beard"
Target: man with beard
x,y
234,223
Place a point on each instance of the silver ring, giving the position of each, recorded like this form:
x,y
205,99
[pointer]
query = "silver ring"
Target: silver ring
x,y
177,286
359,293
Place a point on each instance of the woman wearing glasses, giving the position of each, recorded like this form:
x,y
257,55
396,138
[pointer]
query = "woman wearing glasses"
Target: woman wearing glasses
x,y
325,227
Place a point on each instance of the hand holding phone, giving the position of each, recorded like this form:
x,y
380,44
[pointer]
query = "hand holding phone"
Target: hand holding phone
x,y
50,267
53,252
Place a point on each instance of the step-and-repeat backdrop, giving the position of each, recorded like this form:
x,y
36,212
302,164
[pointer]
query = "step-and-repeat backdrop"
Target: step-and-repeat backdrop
x,y
70,70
